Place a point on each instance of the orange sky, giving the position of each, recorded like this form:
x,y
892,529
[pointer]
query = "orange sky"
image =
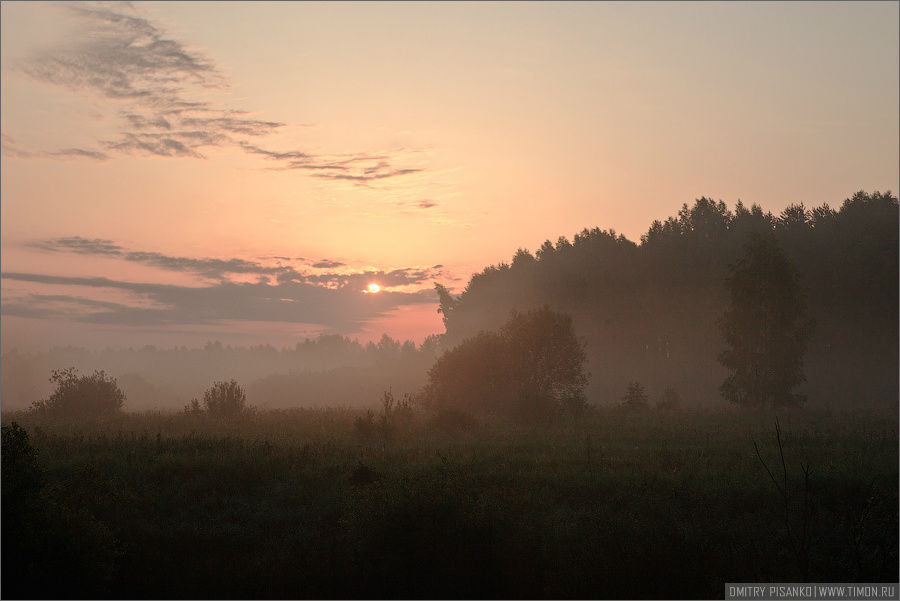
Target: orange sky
x,y
179,172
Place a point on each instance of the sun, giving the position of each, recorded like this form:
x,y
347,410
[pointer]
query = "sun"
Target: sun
x,y
373,288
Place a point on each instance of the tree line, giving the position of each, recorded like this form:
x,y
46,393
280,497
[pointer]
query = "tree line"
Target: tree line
x,y
652,312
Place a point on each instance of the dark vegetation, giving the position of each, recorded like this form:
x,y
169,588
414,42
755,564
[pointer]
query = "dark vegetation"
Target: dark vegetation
x,y
491,471
226,400
530,370
652,312
305,504
78,397
765,327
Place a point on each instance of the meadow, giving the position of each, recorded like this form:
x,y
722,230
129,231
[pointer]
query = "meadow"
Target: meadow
x,y
332,503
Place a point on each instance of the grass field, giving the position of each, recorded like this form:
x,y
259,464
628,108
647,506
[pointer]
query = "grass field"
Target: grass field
x,y
331,503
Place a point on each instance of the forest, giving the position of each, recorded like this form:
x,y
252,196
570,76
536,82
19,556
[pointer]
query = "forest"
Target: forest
x,y
600,419
650,312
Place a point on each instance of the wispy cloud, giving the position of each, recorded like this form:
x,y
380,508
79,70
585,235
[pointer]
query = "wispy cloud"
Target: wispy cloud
x,y
342,309
123,57
327,264
207,267
215,268
11,148
326,292
356,168
79,153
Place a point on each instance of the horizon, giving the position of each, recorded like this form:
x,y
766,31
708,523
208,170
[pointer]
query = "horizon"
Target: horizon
x,y
244,172
369,336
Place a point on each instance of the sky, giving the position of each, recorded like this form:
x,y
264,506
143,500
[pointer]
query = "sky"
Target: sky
x,y
179,172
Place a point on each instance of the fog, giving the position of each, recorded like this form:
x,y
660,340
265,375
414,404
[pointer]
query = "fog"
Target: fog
x,y
647,312
328,370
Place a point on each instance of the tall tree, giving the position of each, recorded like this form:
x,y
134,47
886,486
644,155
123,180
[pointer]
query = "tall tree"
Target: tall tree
x,y
766,328
529,370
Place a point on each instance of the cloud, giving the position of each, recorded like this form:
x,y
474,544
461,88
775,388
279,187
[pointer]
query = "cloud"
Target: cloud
x,y
331,299
358,168
179,144
11,149
79,153
220,268
327,264
79,245
249,127
207,267
343,309
122,56
380,172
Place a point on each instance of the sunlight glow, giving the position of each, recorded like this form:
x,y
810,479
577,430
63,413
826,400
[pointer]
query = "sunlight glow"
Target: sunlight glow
x,y
373,288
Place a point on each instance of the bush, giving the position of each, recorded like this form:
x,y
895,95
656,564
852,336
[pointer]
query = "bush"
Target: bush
x,y
225,399
95,395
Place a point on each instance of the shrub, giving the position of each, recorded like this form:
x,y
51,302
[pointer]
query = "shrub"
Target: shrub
x,y
225,399
81,396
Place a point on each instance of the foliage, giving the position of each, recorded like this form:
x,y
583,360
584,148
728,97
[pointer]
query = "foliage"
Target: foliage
x,y
635,399
79,396
765,327
529,370
225,400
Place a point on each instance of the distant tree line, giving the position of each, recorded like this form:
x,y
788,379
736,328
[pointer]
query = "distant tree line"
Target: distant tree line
x,y
327,370
652,312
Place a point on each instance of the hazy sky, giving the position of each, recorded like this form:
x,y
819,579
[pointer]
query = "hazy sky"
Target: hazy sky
x,y
178,172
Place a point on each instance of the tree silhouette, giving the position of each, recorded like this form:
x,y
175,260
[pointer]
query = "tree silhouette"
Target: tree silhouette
x,y
225,399
81,396
529,370
766,328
